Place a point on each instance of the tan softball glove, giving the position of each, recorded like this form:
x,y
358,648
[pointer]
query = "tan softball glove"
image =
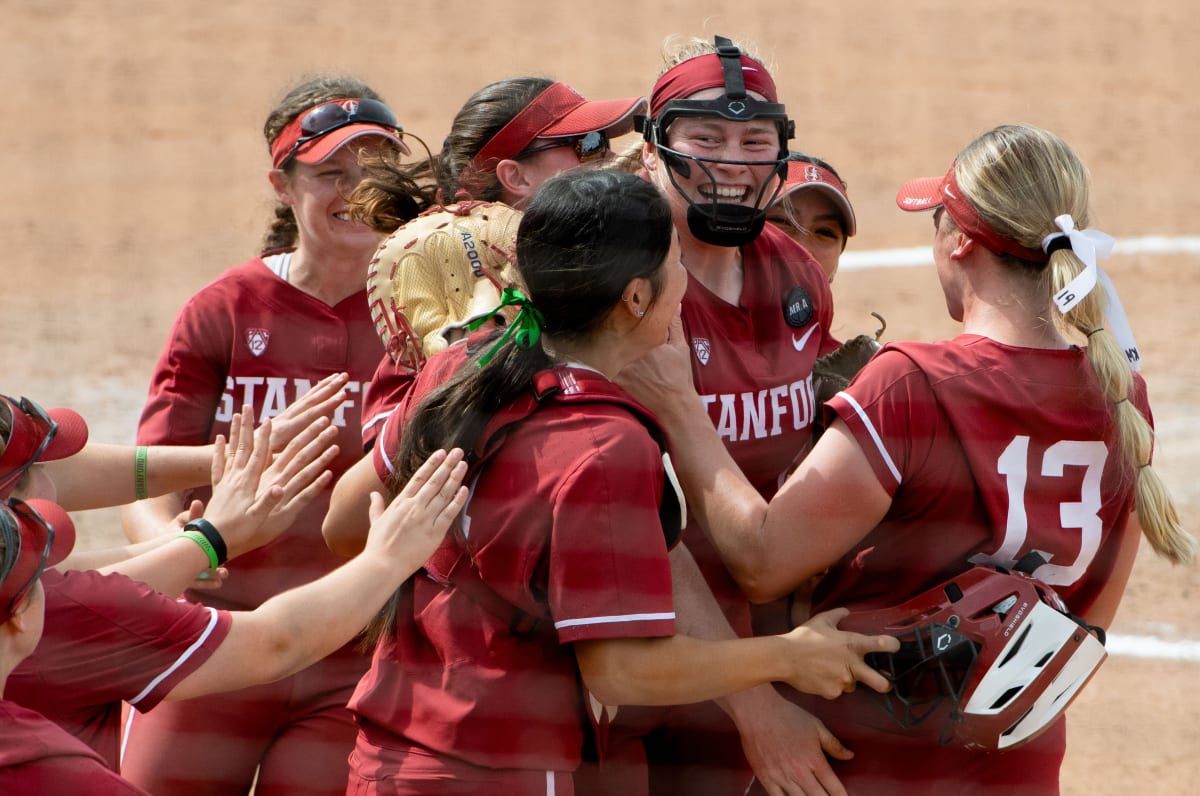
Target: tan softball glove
x,y
435,273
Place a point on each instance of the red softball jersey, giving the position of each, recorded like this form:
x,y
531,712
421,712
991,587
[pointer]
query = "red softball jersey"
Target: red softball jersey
x,y
562,522
251,338
38,757
989,452
110,639
752,365
389,385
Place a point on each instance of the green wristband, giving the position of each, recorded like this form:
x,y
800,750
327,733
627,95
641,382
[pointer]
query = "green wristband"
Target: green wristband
x,y
205,545
139,473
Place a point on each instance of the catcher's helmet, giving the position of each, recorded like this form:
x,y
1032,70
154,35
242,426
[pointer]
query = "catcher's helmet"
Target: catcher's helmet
x,y
988,659
715,222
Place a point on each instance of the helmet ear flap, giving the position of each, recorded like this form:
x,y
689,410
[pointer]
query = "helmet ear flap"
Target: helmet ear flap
x,y
650,131
673,161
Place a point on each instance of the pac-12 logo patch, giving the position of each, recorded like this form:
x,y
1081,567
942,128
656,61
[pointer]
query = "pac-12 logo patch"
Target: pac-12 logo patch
x,y
797,308
256,341
703,349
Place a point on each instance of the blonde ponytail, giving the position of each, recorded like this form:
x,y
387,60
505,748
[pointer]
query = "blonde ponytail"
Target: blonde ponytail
x,y
1021,178
1155,510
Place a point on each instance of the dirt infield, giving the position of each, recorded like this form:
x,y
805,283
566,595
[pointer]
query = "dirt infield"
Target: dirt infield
x,y
135,172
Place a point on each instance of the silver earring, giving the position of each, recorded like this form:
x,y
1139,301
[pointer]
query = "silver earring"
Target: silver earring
x,y
639,311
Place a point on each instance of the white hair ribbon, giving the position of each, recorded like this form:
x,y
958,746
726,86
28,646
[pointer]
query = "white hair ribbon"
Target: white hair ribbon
x,y
1089,245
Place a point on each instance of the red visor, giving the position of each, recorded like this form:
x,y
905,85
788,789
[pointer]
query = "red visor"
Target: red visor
x,y
44,534
805,176
28,432
927,193
320,144
558,112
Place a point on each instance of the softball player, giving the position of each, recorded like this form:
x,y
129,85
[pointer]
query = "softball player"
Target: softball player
x,y
36,755
261,335
507,139
814,210
558,570
757,313
1018,435
110,639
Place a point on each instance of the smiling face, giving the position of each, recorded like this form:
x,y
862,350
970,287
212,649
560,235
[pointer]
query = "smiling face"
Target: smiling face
x,y
317,195
812,220
718,139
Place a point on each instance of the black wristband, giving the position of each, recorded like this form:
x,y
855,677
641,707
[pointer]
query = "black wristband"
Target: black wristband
x,y
213,536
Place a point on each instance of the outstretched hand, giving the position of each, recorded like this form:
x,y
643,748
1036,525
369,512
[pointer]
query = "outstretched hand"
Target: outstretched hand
x,y
254,501
410,528
322,401
829,662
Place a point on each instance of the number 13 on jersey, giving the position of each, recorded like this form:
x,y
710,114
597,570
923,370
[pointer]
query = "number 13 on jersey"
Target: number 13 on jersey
x,y
1079,512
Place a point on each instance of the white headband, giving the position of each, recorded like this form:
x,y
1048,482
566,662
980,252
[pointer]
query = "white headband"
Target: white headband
x,y
1090,245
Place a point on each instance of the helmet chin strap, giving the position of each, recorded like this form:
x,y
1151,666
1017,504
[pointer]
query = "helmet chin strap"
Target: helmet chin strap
x,y
720,223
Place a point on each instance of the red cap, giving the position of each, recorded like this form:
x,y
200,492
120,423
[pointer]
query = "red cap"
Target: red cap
x,y
20,526
802,175
558,112
926,193
322,146
27,433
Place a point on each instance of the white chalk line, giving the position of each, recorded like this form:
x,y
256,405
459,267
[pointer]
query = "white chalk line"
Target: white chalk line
x,y
923,255
1151,647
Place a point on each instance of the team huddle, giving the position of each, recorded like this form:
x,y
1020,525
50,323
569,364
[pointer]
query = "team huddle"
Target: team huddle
x,y
507,469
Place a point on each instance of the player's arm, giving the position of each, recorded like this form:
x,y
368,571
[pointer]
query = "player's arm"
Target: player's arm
x,y
256,497
102,475
815,658
1104,609
826,506
783,743
300,626
347,521
156,516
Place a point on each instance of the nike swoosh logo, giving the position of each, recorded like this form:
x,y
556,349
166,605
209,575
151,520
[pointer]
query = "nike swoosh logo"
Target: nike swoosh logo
x,y
799,343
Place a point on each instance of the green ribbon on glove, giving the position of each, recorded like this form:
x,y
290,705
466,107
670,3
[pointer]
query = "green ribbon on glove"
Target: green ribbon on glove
x,y
525,329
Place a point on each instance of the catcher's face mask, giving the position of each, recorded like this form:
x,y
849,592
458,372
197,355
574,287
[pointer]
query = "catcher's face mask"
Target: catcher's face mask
x,y
988,659
715,222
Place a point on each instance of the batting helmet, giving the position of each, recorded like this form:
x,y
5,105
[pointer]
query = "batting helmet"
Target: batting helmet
x,y
988,659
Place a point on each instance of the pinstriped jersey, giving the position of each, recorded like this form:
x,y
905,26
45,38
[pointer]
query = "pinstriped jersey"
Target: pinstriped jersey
x,y
989,452
752,365
250,337
110,639
563,517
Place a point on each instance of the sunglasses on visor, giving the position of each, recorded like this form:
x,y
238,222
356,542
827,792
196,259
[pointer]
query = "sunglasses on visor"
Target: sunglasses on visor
x,y
41,418
11,529
324,119
588,147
